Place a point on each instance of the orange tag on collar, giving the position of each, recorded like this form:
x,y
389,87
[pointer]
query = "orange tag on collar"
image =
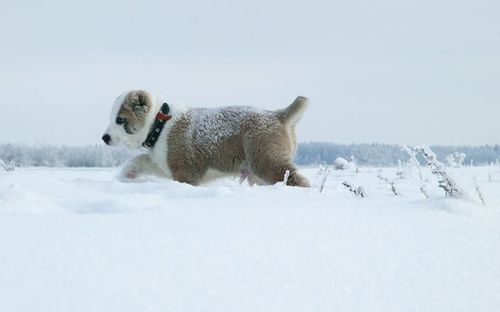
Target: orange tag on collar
x,y
163,117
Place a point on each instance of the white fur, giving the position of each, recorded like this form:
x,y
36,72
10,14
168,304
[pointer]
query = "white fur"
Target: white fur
x,y
159,152
155,161
117,132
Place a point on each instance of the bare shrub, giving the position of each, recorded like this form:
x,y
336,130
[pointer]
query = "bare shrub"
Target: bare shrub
x,y
8,167
358,191
444,180
392,183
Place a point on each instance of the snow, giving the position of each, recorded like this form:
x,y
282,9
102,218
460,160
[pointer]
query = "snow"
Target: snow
x,y
342,164
79,240
210,126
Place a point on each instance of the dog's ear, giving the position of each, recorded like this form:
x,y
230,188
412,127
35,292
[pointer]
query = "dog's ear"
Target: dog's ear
x,y
141,106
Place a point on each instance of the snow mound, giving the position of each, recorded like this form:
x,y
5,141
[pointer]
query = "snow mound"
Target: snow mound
x,y
342,164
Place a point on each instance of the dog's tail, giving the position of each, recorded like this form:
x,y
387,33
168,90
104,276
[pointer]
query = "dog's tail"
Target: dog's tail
x,y
290,116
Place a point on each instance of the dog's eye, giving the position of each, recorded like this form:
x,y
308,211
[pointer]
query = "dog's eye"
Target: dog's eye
x,y
120,120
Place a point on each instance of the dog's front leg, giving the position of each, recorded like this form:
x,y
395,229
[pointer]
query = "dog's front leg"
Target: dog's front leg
x,y
140,165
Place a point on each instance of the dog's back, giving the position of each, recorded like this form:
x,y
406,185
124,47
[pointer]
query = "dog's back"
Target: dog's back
x,y
229,138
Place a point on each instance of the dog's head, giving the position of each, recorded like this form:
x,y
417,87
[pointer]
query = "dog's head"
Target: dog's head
x,y
131,118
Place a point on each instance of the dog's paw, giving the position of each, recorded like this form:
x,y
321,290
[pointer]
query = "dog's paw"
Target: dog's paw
x,y
130,172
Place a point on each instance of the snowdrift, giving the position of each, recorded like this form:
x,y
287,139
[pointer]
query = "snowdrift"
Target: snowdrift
x,y
78,240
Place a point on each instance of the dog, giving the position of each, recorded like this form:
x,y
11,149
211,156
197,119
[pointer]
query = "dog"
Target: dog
x,y
196,145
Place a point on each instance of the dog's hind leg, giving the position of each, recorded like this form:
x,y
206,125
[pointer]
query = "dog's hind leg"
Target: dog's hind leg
x,y
270,155
273,173
296,179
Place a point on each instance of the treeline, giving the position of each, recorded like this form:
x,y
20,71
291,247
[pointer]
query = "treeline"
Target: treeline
x,y
307,154
63,156
388,155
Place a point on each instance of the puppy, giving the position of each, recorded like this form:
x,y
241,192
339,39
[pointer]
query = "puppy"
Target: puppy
x,y
195,145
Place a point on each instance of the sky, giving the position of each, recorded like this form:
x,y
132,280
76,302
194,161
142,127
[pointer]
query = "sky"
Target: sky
x,y
388,71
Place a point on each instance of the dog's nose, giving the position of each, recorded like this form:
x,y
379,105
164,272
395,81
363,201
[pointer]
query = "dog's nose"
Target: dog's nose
x,y
106,138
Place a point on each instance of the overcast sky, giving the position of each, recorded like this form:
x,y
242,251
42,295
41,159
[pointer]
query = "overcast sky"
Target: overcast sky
x,y
389,71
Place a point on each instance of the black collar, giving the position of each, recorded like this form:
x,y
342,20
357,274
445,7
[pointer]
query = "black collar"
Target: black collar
x,y
161,118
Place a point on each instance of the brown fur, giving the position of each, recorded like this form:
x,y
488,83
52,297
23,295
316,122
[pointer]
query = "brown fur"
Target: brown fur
x,y
135,106
264,143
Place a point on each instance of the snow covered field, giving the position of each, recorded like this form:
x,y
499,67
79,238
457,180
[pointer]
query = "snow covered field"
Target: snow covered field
x,y
78,240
